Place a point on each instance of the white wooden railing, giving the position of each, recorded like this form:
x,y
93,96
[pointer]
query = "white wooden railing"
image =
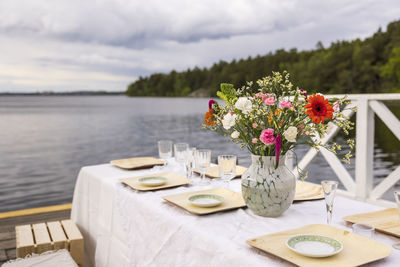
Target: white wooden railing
x,y
361,186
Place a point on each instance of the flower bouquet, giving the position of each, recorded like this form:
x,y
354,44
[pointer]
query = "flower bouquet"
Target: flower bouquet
x,y
270,119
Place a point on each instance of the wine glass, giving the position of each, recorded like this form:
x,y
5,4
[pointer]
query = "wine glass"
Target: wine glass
x,y
397,197
189,162
329,188
165,150
227,168
180,153
202,158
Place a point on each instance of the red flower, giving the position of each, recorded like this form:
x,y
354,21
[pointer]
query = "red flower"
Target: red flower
x,y
318,108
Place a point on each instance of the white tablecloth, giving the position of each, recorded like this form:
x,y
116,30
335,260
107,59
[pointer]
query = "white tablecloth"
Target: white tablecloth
x,y
122,227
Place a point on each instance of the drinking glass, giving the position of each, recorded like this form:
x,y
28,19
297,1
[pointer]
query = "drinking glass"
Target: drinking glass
x,y
227,168
397,198
329,188
165,150
189,162
180,152
202,158
364,229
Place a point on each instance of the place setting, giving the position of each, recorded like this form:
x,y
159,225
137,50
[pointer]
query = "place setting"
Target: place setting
x,y
210,200
323,244
164,179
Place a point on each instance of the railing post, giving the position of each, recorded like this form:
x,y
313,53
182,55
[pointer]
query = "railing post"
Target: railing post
x,y
365,130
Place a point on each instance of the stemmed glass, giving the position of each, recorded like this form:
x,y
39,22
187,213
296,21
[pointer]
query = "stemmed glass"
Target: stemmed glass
x,y
189,162
165,150
202,158
329,188
227,168
180,150
397,197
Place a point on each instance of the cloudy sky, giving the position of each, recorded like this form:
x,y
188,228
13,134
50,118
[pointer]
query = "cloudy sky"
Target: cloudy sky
x,y
67,45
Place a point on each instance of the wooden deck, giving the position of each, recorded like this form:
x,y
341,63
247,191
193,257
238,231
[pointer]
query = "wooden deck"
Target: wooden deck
x,y
8,221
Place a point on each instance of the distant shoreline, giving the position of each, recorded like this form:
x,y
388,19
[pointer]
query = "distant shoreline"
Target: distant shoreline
x,y
77,93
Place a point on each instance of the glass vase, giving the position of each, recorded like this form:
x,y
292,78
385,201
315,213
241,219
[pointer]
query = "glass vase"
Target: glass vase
x,y
268,191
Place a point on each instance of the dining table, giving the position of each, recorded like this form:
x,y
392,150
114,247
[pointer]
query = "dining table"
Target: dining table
x,y
125,227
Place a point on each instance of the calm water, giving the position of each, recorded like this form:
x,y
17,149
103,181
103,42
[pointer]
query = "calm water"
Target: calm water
x,y
44,141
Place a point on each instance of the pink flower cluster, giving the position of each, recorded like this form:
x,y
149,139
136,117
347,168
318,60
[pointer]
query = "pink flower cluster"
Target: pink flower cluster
x,y
261,95
269,101
267,136
266,98
286,104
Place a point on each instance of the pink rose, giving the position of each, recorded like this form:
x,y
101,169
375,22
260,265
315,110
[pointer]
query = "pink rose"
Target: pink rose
x,y
286,104
254,125
269,101
267,136
254,140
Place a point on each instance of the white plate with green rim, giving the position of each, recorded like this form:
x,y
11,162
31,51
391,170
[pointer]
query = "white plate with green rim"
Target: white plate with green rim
x,y
206,200
153,181
315,246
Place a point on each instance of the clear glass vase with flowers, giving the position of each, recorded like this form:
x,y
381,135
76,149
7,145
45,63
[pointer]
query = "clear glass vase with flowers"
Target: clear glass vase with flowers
x,y
269,118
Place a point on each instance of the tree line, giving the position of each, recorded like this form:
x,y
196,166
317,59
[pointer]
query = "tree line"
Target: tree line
x,y
359,66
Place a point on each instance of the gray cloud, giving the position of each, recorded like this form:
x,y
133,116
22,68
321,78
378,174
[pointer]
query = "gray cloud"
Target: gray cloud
x,y
89,44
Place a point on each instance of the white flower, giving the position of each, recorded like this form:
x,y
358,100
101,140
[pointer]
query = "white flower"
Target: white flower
x,y
244,104
235,134
290,134
229,121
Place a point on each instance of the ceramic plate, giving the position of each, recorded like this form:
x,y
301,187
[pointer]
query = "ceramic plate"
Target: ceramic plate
x,y
315,246
152,181
206,200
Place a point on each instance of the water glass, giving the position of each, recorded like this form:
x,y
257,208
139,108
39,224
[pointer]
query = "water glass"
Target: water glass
x,y
165,149
227,168
329,188
189,162
180,152
202,158
397,198
364,229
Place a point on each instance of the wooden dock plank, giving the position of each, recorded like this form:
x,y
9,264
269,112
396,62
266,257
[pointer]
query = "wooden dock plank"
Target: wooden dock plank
x,y
7,228
57,235
75,241
34,211
3,255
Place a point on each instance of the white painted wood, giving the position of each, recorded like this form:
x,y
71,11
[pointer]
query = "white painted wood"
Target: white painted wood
x,y
341,172
386,184
364,149
290,159
305,161
362,187
368,96
386,116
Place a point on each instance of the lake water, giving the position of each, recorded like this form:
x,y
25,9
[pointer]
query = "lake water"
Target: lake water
x,y
45,140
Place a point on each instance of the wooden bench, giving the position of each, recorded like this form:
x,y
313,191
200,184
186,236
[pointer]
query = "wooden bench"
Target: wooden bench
x,y
42,237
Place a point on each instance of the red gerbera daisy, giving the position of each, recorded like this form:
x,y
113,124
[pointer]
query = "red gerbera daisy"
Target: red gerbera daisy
x,y
318,108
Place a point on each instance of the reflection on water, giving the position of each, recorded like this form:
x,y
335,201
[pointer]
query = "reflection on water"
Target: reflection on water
x,y
44,141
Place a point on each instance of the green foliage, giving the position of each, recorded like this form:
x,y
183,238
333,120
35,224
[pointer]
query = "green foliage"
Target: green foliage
x,y
359,66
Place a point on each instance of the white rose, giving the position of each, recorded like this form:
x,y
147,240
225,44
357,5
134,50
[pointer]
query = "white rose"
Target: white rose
x,y
290,134
229,121
235,134
244,104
